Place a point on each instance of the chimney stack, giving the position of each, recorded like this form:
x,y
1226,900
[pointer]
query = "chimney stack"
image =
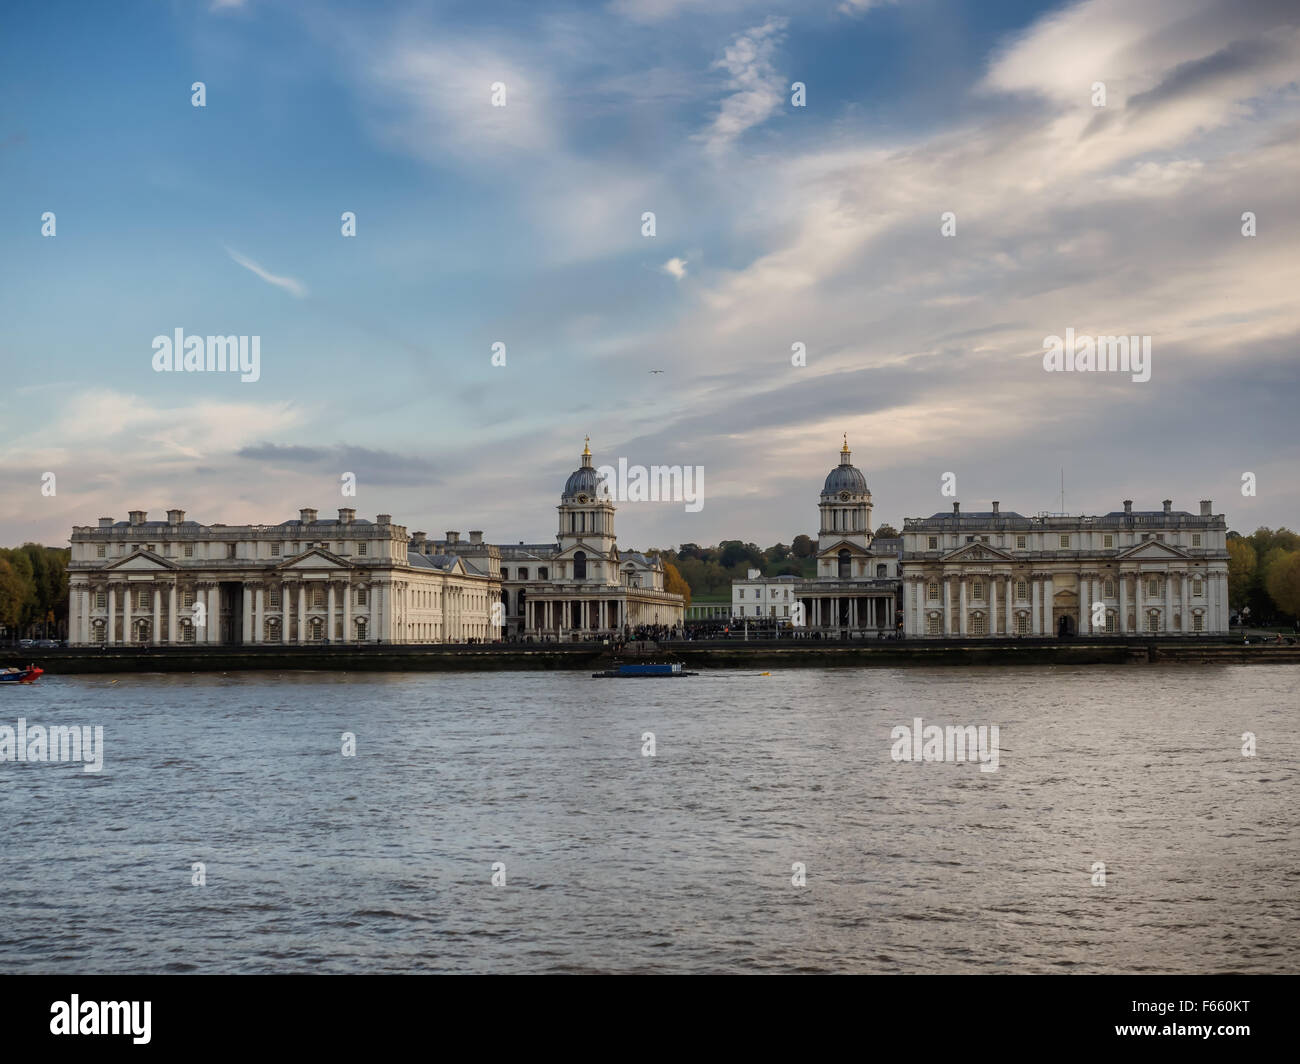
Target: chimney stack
x,y
417,541
956,507
137,517
995,507
307,516
1169,503
347,515
453,538
476,537
383,519
105,522
1128,506
1206,506
175,517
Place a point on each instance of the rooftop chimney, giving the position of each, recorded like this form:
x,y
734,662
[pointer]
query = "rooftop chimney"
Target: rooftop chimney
x,y
137,517
956,507
383,519
453,537
417,540
175,517
995,507
1128,506
306,516
476,537
1206,506
105,522
1169,504
347,515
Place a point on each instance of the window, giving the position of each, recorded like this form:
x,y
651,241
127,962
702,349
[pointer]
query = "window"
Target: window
x,y
187,598
882,571
101,549
141,599
1108,541
1198,622
523,574
542,573
970,539
230,550
101,600
361,596
932,624
275,550
845,565
189,550
1110,621
1022,542
787,610
933,591
979,624
580,566
742,592
1108,588
933,543
977,590
1065,542
1153,621
1196,539
1153,587
1197,589
275,598
317,597
1022,624
1022,590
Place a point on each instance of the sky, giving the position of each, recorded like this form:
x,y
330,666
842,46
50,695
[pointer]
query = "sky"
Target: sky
x,y
775,225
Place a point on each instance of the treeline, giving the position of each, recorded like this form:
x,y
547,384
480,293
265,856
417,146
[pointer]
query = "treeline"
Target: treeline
x,y
709,571
1264,575
33,591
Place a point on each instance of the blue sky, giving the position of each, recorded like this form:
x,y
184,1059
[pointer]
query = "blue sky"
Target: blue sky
x,y
522,224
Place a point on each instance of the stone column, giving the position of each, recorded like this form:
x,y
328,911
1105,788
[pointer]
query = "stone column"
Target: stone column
x,y
126,614
377,612
155,629
963,602
214,613
246,621
1084,604
347,611
173,620
1010,590
1035,620
302,612
947,604
1049,600
286,612
992,611
1123,604
329,611
111,629
1169,603
259,613
1141,623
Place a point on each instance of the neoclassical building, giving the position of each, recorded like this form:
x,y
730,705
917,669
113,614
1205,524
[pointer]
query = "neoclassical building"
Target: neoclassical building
x,y
997,573
341,580
855,591
580,586
349,580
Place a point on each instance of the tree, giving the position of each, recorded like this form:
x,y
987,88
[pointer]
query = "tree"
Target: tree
x,y
802,547
1241,570
887,532
735,553
778,552
674,582
13,596
1283,582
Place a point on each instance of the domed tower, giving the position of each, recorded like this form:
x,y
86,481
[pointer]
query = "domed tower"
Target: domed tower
x,y
587,523
845,504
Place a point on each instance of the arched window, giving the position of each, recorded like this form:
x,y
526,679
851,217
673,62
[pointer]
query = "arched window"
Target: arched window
x,y
846,565
580,566
316,629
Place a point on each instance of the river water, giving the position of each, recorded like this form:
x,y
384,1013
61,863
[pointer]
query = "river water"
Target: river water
x,y
678,862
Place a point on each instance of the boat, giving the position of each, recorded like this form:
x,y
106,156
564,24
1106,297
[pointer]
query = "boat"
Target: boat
x,y
27,675
622,671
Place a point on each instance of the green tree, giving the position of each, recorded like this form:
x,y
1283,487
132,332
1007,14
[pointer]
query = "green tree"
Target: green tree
x,y
13,596
887,532
1283,582
1241,571
802,546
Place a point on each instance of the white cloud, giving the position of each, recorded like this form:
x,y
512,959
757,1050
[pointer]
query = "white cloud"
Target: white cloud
x,y
675,267
289,284
749,63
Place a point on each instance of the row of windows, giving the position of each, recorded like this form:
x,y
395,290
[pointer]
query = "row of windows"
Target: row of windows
x,y
232,549
143,599
1063,540
1153,588
543,573
979,624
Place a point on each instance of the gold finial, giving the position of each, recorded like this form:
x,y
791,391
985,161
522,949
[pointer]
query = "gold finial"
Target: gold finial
x,y
586,447
845,448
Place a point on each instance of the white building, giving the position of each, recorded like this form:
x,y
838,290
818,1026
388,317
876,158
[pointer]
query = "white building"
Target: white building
x,y
1154,572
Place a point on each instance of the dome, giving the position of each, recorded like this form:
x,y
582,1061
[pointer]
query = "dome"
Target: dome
x,y
584,480
845,476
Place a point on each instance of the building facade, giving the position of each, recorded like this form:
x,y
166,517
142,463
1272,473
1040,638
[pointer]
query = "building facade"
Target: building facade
x,y
855,592
996,573
348,580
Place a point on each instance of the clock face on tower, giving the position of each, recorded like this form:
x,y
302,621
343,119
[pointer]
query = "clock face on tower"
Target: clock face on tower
x,y
844,496
582,498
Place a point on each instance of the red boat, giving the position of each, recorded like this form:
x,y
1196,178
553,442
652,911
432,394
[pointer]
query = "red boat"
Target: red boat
x,y
27,675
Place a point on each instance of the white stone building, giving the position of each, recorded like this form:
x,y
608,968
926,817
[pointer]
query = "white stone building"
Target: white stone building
x,y
344,580
1153,572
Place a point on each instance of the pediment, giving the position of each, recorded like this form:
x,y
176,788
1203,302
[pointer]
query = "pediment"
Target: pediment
x,y
1152,549
142,561
316,558
978,552
856,549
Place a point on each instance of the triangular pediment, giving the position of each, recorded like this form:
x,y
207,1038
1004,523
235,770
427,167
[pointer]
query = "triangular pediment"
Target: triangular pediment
x,y
316,558
978,552
142,561
835,546
1151,549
